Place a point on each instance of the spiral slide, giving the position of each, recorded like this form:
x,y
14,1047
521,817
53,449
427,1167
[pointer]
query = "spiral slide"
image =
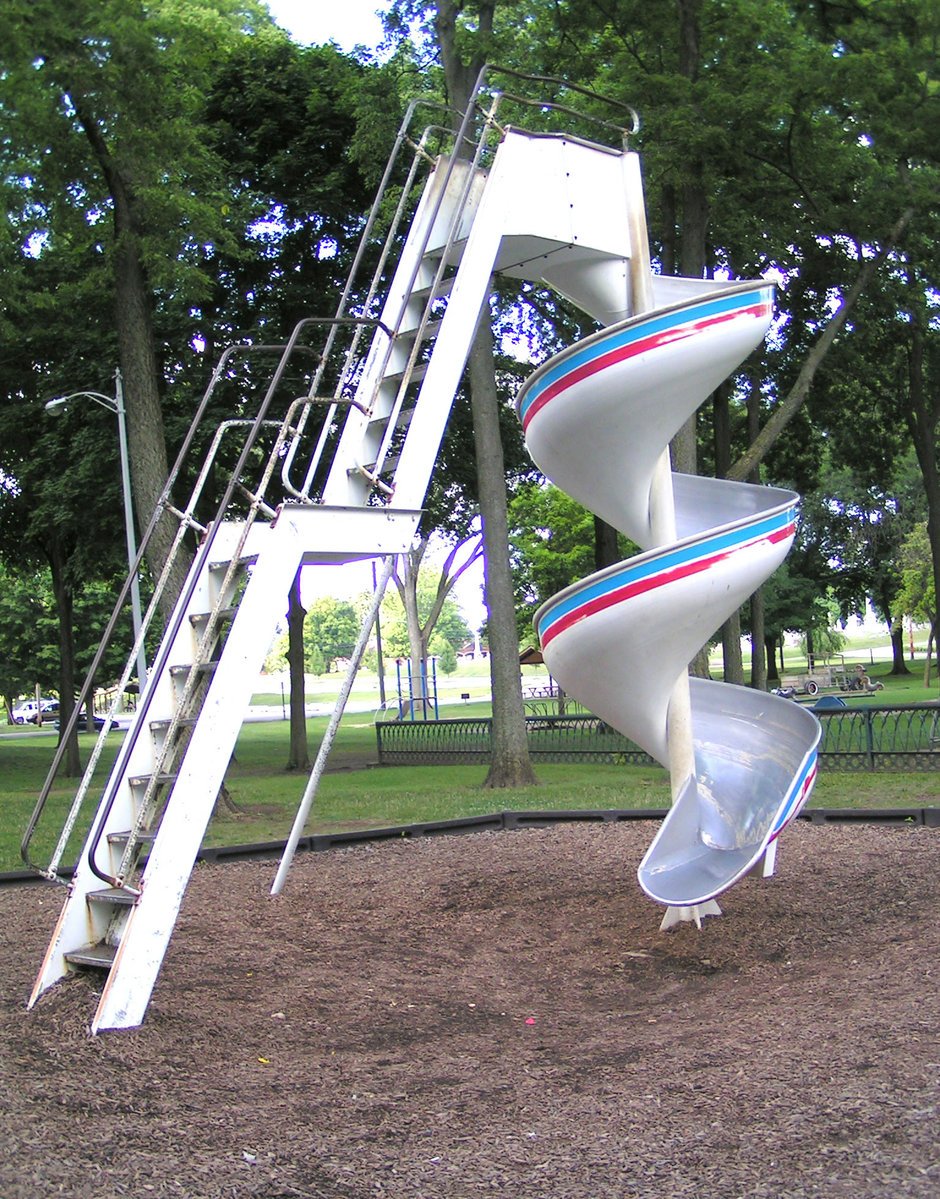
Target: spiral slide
x,y
598,419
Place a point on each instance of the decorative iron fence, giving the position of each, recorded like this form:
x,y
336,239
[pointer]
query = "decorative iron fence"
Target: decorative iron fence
x,y
901,738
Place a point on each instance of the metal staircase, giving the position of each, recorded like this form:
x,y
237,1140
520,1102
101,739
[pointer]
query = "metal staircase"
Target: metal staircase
x,y
320,479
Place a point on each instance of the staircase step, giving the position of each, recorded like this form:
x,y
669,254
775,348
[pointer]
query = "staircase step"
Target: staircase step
x,y
402,421
202,618
100,956
143,780
444,288
388,467
431,330
186,722
184,668
120,896
224,564
123,837
417,374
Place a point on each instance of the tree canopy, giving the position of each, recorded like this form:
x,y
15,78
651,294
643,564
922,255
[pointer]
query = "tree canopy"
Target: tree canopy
x,y
178,176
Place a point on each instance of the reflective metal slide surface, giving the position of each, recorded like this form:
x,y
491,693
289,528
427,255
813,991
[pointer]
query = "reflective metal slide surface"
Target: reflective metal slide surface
x,y
598,418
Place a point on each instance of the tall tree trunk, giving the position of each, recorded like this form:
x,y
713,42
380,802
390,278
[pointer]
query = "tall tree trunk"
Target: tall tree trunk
x,y
759,677
732,657
898,665
133,314
298,757
923,418
606,550
692,248
693,223
758,652
770,646
405,578
142,403
788,407
510,765
417,634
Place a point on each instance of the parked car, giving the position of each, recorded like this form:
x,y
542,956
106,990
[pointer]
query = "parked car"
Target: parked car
x,y
26,713
82,722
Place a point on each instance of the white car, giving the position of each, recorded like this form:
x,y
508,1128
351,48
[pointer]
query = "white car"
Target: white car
x,y
26,712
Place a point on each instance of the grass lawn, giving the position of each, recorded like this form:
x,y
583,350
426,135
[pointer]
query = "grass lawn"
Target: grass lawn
x,y
267,795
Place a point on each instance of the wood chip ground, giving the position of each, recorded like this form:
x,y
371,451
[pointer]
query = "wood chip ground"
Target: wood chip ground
x,y
498,1015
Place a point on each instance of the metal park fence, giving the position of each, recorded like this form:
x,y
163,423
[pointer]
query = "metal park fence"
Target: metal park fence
x,y
900,738
906,737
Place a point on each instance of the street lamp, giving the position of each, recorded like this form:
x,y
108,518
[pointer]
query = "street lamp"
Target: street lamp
x,y
117,405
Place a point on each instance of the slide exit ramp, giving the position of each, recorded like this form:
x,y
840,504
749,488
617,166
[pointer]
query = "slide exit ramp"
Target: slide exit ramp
x,y
336,475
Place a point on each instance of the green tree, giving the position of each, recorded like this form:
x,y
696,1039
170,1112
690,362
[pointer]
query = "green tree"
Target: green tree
x,y
435,610
60,509
315,662
102,105
331,625
445,653
768,142
427,604
554,544
27,635
864,524
463,40
917,595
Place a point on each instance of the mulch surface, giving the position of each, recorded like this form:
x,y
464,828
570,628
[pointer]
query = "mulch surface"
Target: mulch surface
x,y
498,1014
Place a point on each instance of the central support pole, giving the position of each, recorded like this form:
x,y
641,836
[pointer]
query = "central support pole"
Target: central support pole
x,y
662,509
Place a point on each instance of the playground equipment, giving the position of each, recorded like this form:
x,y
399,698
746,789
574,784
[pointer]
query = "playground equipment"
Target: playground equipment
x,y
598,420
417,697
340,474
336,475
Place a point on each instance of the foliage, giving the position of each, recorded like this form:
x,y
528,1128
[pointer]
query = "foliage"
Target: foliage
x,y
783,137
916,597
552,541
446,654
314,660
331,627
450,629
27,633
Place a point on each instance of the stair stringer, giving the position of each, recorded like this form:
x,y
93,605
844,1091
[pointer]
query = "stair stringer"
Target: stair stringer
x,y
82,923
446,211
151,921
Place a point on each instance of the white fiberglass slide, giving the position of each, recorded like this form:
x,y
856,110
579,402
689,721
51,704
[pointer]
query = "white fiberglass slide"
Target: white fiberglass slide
x,y
597,419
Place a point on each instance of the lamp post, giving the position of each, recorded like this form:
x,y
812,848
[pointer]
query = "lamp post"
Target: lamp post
x,y
116,405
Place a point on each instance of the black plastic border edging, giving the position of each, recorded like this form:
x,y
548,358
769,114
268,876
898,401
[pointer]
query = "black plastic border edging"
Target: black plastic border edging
x,y
509,821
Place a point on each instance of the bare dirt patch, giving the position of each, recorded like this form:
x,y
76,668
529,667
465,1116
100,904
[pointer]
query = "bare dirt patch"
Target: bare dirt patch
x,y
497,1014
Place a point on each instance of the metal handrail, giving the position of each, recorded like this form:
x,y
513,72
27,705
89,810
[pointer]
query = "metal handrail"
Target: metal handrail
x,y
624,131
162,663
303,492
163,506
